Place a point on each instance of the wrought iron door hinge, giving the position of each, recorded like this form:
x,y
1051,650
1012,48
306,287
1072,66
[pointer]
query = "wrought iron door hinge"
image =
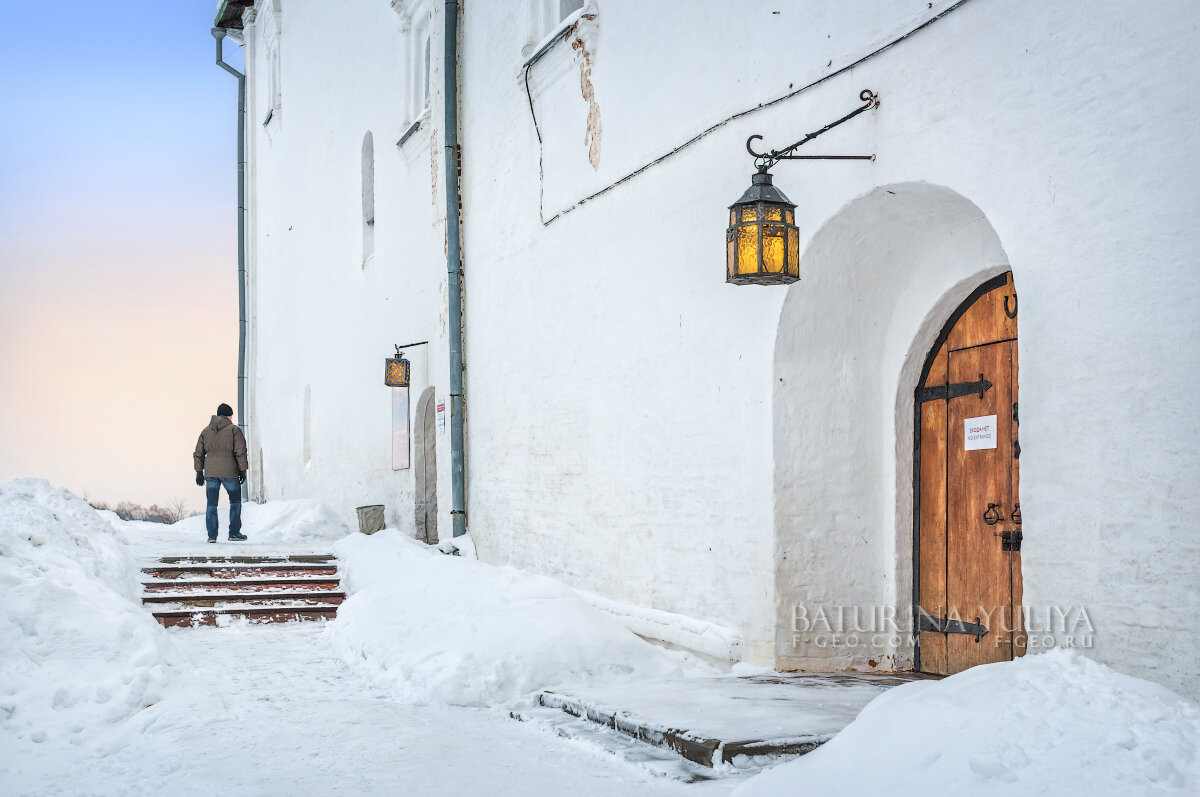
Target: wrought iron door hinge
x,y
945,625
1011,540
946,391
941,392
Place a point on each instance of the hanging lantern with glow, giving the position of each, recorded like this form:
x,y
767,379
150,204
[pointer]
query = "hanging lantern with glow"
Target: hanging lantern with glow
x,y
396,370
762,244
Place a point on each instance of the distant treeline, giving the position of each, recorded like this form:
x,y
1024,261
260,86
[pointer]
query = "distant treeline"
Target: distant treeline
x,y
127,510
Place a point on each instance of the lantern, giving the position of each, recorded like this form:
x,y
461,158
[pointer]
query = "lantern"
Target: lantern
x,y
396,370
762,244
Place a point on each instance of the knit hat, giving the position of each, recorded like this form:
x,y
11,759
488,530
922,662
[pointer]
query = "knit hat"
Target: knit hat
x,y
225,410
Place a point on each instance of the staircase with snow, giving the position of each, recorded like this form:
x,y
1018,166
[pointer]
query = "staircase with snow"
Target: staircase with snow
x,y
199,590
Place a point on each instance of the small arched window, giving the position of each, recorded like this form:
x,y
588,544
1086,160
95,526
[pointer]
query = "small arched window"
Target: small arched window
x,y
368,197
568,7
425,78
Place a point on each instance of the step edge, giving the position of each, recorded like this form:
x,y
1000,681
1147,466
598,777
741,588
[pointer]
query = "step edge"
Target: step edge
x,y
692,745
266,610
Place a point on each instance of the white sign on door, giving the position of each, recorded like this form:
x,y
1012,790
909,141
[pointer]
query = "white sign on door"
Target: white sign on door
x,y
980,433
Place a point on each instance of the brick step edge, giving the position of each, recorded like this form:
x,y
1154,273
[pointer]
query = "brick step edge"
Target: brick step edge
x,y
236,570
315,558
274,614
229,607
319,597
232,584
703,750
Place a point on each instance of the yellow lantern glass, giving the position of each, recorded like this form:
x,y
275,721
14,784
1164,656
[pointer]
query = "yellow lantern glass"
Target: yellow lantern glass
x,y
762,244
395,372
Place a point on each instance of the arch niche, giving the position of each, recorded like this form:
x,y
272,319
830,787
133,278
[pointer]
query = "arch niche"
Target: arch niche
x,y
878,282
425,468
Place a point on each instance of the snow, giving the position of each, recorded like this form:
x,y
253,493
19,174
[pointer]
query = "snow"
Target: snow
x,y
409,686
300,522
505,633
716,641
299,527
77,650
1056,723
98,699
270,710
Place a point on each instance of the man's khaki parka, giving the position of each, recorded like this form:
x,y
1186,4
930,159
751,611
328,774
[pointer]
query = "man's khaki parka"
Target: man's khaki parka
x,y
221,449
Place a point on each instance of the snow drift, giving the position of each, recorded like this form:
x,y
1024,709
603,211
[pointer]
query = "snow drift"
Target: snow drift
x,y
1056,723
299,522
446,629
77,650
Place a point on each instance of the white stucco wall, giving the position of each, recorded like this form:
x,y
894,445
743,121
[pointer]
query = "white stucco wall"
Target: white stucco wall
x,y
627,429
1099,231
322,318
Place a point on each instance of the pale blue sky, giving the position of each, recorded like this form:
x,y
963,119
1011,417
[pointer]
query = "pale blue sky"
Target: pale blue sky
x,y
118,261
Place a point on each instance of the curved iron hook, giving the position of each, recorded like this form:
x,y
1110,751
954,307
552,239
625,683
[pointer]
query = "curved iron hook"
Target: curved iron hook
x,y
870,98
751,151
1010,313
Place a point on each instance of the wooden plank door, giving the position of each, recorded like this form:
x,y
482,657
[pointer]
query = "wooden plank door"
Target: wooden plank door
x,y
968,580
978,569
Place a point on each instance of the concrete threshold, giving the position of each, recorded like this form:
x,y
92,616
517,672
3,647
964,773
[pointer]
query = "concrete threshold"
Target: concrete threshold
x,y
729,721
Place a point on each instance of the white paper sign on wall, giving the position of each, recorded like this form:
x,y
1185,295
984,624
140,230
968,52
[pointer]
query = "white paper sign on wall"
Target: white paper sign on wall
x,y
441,416
980,433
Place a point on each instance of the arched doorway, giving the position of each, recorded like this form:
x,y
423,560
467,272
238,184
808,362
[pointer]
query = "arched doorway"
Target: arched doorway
x,y
425,468
879,278
967,507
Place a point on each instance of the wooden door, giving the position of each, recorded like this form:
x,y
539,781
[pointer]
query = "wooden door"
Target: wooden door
x,y
968,562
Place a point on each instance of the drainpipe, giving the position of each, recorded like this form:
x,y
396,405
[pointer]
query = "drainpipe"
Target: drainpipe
x,y
219,35
458,513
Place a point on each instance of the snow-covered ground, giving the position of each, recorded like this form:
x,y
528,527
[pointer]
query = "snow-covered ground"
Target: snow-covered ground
x,y
1055,723
96,698
509,632
302,526
401,694
270,710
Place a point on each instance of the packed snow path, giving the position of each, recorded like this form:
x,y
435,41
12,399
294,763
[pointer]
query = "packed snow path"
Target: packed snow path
x,y
268,710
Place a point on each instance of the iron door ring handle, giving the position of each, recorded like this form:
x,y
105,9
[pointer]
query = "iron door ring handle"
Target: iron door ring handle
x,y
990,515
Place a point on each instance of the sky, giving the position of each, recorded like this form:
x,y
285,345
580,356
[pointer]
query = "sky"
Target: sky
x,y
118,244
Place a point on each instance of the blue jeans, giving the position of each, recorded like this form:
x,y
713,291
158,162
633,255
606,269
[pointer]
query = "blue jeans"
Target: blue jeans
x,y
212,487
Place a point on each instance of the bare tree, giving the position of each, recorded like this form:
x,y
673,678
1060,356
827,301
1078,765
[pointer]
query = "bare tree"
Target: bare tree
x,y
173,512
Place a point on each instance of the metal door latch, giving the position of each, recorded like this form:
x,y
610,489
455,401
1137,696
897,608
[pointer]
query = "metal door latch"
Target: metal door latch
x,y
1011,540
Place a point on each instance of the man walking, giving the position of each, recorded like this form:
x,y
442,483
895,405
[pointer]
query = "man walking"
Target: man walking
x,y
221,457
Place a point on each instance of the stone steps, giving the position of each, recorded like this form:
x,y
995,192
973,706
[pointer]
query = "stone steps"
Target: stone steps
x,y
185,591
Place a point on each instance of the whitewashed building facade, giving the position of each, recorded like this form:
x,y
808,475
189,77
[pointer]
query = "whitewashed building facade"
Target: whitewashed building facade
x,y
740,460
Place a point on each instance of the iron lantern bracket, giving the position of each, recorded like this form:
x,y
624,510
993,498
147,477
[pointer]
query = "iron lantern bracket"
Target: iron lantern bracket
x,y
765,160
400,346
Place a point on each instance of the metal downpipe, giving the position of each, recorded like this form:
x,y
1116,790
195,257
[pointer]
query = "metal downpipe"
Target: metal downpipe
x,y
458,512
219,35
